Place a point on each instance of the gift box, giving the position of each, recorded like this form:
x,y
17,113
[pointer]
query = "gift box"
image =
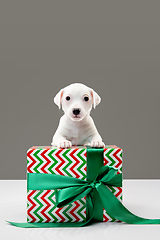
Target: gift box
x,y
72,162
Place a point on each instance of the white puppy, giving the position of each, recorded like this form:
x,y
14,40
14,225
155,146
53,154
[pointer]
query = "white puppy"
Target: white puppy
x,y
76,127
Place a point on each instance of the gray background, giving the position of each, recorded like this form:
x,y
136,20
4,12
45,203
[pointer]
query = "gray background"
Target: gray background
x,y
111,46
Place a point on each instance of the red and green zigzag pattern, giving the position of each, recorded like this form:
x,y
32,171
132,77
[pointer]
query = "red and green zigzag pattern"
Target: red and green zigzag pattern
x,y
113,157
69,162
41,208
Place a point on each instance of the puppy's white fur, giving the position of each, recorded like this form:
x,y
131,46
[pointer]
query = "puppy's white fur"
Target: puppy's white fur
x,y
76,129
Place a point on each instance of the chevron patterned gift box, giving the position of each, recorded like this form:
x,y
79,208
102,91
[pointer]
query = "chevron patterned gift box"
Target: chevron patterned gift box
x,y
41,204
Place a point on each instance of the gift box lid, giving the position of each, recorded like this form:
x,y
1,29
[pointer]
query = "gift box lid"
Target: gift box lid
x,y
70,162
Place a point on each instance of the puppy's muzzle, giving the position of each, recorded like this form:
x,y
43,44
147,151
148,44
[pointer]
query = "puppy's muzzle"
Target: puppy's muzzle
x,y
76,111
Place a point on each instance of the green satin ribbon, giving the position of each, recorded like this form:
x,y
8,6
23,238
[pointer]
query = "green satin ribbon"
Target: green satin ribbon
x,y
73,189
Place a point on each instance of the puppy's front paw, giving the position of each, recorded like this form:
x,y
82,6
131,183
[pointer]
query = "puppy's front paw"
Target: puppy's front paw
x,y
97,144
64,144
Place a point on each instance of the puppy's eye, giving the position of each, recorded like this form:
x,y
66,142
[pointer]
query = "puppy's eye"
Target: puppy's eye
x,y
68,98
86,98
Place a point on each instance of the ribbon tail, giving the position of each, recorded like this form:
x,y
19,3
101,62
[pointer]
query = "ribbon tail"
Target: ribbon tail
x,y
48,224
116,209
60,224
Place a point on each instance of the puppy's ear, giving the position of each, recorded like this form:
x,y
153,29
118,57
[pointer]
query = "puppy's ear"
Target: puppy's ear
x,y
58,98
95,98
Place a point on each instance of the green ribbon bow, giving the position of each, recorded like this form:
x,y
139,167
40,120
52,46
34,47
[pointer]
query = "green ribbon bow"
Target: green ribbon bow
x,y
98,196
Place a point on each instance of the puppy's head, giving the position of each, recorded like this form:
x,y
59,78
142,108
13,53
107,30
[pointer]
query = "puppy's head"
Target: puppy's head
x,y
77,100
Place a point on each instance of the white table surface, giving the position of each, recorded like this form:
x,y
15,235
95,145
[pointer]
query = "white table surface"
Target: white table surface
x,y
142,197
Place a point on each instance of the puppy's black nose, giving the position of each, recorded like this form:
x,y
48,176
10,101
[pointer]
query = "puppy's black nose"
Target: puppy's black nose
x,y
76,111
